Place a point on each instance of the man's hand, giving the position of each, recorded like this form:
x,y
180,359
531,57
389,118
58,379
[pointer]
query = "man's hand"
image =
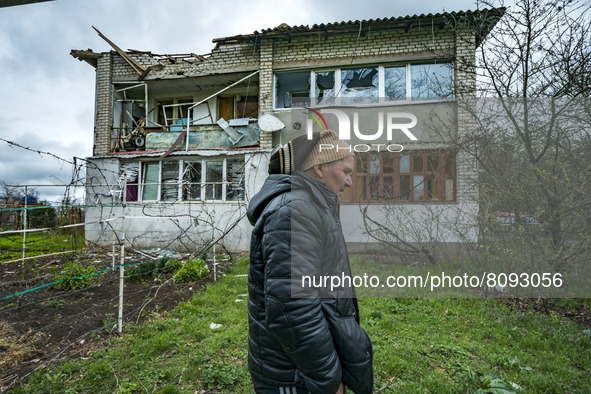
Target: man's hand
x,y
341,389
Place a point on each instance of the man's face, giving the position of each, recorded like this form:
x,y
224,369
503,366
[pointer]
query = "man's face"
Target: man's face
x,y
337,175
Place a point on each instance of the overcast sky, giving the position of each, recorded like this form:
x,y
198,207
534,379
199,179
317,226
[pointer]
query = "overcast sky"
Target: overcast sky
x,y
47,100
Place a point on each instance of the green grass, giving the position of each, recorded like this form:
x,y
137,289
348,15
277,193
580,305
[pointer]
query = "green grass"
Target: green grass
x,y
421,345
37,244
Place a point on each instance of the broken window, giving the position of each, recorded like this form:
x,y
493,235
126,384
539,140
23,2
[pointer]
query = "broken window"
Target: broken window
x,y
170,181
129,115
429,81
236,107
192,180
211,184
324,86
129,183
214,175
235,179
291,88
392,177
395,82
360,83
200,179
174,113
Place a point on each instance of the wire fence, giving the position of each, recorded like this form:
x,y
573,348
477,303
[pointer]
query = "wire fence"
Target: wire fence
x,y
61,291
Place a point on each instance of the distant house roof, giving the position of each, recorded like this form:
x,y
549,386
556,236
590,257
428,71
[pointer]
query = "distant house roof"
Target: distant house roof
x,y
486,19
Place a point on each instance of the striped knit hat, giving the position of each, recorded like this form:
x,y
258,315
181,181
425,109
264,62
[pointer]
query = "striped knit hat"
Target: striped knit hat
x,y
302,153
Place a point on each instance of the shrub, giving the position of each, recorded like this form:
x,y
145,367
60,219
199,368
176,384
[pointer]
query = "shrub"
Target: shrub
x,y
74,276
193,270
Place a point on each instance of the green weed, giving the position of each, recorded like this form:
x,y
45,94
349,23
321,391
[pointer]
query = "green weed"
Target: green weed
x,y
145,269
55,303
192,270
74,276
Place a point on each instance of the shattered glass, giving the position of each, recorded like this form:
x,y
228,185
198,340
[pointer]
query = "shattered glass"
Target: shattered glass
x,y
235,175
291,86
325,87
170,181
360,83
192,180
130,183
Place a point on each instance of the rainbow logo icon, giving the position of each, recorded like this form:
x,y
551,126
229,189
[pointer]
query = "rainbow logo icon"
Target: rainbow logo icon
x,y
317,117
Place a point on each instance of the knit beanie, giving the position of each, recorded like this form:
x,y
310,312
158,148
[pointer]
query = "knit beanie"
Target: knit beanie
x,y
302,153
328,149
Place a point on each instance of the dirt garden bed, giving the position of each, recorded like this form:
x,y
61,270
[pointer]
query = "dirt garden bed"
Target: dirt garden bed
x,y
47,324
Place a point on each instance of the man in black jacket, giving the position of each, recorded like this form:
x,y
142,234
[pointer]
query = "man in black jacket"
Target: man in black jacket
x,y
304,338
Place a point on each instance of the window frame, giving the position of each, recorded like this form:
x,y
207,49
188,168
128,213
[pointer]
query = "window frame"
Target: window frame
x,y
224,182
338,88
239,109
176,105
446,171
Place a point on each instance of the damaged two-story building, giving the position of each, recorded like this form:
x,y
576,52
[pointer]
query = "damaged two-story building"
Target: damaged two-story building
x,y
182,142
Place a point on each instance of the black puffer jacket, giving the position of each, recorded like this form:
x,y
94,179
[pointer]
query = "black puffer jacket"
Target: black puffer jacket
x,y
314,340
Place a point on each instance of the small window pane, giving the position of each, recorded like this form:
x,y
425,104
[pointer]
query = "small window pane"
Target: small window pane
x,y
192,180
387,164
150,181
405,187
395,78
176,113
433,163
362,166
430,81
449,189
360,83
325,87
132,170
374,188
347,195
247,107
405,163
432,188
182,111
419,187
164,113
417,163
289,87
388,187
170,183
235,172
449,165
213,178
374,164
360,187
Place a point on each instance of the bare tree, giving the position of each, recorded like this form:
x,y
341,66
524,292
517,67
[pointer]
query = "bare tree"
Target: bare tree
x,y
528,135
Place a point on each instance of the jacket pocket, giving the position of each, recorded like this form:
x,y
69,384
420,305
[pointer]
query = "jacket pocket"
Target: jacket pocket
x,y
358,375
355,351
